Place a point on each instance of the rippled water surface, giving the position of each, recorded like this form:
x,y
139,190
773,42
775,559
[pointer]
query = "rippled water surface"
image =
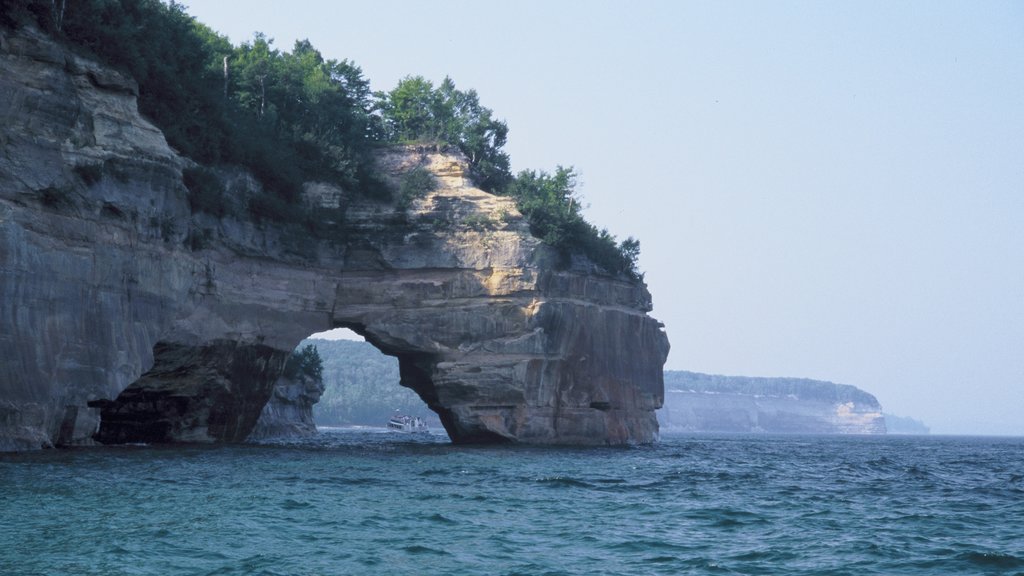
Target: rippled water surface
x,y
374,503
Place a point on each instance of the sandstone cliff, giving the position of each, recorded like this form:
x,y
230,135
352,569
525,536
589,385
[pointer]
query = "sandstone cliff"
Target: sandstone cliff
x,y
705,403
289,412
126,317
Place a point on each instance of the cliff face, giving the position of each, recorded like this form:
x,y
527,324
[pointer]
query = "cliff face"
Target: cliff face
x,y
704,403
289,412
116,301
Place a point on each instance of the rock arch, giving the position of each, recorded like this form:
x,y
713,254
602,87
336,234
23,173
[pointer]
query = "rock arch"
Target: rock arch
x,y
121,302
502,348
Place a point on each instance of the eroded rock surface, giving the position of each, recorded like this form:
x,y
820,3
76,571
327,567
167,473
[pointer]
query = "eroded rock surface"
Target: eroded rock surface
x,y
289,412
117,300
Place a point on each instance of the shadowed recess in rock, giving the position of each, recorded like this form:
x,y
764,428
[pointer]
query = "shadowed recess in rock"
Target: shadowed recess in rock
x,y
194,394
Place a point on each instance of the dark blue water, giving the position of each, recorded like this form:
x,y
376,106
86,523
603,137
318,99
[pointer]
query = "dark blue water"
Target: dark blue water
x,y
372,503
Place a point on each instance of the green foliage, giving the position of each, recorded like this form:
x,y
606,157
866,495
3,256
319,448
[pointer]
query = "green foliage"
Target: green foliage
x,y
304,363
551,206
549,203
415,111
290,117
415,183
320,107
47,14
478,222
409,111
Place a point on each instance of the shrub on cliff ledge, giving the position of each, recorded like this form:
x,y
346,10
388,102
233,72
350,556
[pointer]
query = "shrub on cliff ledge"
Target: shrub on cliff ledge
x,y
415,184
305,362
415,111
551,206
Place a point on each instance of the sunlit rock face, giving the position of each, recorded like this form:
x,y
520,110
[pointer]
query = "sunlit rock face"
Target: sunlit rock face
x,y
117,301
736,404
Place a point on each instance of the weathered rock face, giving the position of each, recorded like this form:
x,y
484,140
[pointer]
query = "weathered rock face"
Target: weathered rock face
x,y
109,306
215,391
289,412
705,403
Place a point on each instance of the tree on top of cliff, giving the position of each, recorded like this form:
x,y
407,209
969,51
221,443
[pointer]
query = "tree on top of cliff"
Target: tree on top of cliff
x,y
321,106
290,117
305,362
415,111
552,207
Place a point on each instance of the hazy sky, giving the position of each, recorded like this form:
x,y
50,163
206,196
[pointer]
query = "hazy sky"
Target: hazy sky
x,y
821,189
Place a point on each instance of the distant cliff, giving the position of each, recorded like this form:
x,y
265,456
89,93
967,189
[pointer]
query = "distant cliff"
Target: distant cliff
x,y
707,403
905,425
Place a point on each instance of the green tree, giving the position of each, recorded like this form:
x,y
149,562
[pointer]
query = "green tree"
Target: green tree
x,y
254,75
409,111
157,44
550,204
305,362
294,116
415,111
552,207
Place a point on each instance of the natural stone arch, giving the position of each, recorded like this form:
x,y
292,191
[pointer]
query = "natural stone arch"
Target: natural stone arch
x,y
501,345
120,301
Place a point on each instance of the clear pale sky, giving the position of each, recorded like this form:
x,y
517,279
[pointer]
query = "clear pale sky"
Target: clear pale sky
x,y
830,190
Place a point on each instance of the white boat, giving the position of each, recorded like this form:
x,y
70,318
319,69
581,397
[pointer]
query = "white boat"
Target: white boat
x,y
403,423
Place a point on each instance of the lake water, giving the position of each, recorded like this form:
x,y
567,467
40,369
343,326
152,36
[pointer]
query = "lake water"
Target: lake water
x,y
376,503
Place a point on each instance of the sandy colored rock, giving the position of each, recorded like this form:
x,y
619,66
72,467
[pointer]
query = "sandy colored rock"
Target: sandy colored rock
x,y
109,306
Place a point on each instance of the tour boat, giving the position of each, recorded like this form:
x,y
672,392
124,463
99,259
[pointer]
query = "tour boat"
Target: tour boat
x,y
403,423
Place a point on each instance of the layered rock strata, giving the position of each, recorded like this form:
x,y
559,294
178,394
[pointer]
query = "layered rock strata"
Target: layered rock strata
x,y
737,404
289,412
126,317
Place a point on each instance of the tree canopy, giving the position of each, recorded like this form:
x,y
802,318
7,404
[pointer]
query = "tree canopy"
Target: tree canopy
x,y
416,111
287,116
290,117
305,362
552,207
